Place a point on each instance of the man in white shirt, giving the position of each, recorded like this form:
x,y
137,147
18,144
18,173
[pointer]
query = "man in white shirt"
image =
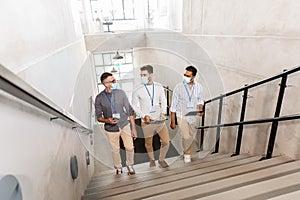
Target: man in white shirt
x,y
149,102
187,97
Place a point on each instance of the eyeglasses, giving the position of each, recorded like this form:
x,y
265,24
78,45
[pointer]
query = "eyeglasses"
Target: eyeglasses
x,y
187,75
113,81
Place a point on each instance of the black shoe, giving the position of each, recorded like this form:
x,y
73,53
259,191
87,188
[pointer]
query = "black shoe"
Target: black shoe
x,y
119,171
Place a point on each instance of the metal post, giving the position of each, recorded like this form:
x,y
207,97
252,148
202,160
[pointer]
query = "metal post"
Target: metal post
x,y
277,113
202,130
168,101
241,127
219,122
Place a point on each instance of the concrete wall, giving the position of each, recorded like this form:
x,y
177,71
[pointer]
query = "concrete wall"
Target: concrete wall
x,y
37,151
42,43
250,40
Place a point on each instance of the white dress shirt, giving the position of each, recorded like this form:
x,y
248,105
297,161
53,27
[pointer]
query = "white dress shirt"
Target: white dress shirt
x,y
142,100
187,98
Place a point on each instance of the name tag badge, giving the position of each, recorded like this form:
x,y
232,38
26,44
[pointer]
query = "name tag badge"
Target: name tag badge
x,y
190,106
116,116
154,112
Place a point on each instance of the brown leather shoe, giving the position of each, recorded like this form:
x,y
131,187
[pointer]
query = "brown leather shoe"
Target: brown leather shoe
x,y
163,164
131,171
152,163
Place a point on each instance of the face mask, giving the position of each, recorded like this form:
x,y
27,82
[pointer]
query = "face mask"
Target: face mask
x,y
186,79
114,86
144,80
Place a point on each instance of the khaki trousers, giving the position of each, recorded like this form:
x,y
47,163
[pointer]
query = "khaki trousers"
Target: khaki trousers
x,y
114,140
162,130
188,133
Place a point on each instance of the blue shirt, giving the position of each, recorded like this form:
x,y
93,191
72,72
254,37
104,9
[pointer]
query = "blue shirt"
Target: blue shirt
x,y
116,102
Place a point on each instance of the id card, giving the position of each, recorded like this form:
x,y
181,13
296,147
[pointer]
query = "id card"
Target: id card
x,y
155,112
116,116
190,106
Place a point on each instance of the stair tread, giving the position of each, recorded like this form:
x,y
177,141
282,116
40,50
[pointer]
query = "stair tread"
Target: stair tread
x,y
260,190
141,188
171,178
174,162
147,174
289,196
231,183
217,176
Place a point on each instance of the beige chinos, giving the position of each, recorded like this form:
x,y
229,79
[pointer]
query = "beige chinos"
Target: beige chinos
x,y
162,131
114,139
188,133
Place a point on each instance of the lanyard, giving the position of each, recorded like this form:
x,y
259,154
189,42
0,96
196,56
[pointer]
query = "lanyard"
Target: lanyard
x,y
152,98
113,104
190,96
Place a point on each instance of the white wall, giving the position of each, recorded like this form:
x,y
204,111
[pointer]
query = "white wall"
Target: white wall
x,y
250,40
258,38
37,151
42,43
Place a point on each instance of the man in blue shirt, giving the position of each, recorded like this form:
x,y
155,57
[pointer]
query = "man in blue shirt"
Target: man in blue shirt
x,y
113,109
187,96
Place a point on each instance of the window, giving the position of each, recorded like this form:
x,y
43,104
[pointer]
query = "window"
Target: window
x,y
122,69
120,15
113,9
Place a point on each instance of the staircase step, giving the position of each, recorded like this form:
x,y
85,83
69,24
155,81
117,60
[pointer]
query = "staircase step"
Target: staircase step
x,y
113,181
171,184
222,186
216,176
175,163
167,179
289,196
263,190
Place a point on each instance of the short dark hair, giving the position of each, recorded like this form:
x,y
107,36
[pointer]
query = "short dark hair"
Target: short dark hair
x,y
149,68
191,69
104,76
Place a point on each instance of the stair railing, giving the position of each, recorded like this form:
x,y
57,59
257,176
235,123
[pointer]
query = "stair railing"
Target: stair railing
x,y
15,86
168,93
283,76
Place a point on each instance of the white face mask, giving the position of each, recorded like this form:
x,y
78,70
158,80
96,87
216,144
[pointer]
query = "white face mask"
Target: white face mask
x,y
144,80
114,86
186,79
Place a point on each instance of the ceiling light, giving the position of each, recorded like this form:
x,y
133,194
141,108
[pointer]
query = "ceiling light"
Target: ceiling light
x,y
118,56
113,70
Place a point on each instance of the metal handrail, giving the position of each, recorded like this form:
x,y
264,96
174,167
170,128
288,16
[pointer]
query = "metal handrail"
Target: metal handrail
x,y
284,73
257,121
15,86
242,122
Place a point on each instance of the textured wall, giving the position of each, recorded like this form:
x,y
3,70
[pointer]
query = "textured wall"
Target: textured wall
x,y
249,40
42,43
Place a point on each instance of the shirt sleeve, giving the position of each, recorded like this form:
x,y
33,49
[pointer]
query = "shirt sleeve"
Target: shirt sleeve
x,y
174,99
200,96
127,105
135,104
163,101
98,107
